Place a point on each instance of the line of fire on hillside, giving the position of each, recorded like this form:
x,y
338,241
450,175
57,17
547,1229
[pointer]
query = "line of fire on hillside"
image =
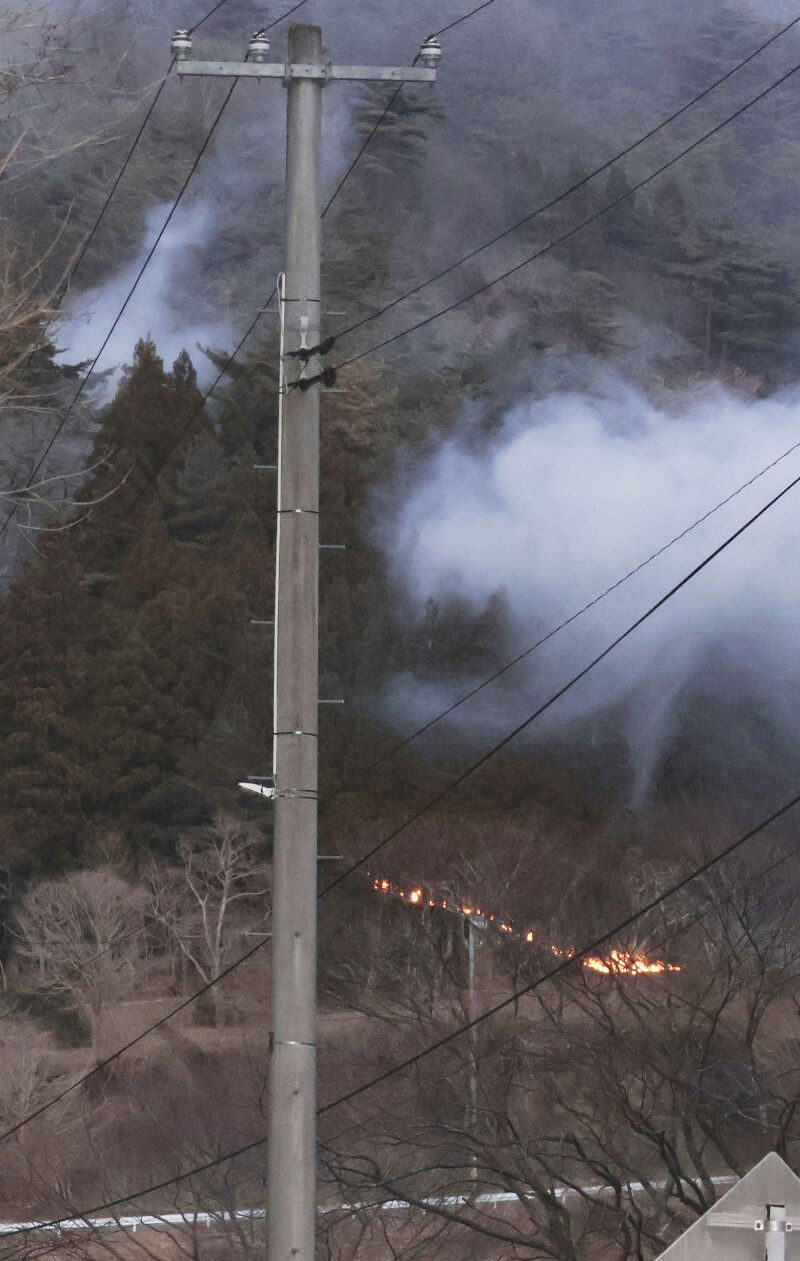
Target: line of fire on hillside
x,y
617,961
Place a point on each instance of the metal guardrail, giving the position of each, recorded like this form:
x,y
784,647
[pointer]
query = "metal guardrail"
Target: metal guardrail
x,y
155,1221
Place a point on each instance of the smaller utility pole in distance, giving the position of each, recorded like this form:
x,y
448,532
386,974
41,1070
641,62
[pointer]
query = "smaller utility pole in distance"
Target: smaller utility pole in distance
x,y
291,1211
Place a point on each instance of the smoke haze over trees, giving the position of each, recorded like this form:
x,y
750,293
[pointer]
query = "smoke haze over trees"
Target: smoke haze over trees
x,y
489,474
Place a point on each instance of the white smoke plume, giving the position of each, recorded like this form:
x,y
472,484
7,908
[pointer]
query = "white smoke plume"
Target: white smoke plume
x,y
153,309
575,491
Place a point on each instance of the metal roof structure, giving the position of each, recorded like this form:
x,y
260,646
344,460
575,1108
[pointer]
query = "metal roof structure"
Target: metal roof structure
x,y
758,1218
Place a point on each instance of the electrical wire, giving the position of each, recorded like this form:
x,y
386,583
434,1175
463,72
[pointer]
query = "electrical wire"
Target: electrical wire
x,y
109,1059
496,748
510,736
589,949
575,958
386,110
540,210
79,260
130,294
576,678
357,158
210,14
90,238
657,945
429,804
451,25
249,953
417,289
127,1199
152,478
402,744
114,187
565,236
85,247
567,192
553,201
286,15
268,27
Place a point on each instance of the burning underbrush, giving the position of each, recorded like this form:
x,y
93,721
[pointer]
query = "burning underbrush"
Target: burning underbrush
x,y
621,962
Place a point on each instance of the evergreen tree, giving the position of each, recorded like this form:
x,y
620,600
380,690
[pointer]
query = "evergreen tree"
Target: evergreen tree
x,y
41,776
151,412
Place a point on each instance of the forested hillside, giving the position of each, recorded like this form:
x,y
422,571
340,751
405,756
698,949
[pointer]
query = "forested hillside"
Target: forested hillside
x,y
150,693
137,568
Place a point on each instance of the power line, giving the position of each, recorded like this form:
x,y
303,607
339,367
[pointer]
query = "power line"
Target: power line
x,y
268,27
45,1107
130,294
540,210
80,258
565,236
156,472
127,1199
91,236
472,768
520,727
243,958
429,804
554,201
210,13
288,14
463,18
114,188
656,946
455,783
402,744
206,142
357,158
386,110
576,957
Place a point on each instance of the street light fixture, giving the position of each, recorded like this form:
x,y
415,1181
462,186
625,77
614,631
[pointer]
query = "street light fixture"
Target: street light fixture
x,y
263,790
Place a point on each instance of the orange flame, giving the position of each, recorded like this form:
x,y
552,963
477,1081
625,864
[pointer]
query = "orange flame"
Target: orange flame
x,y
620,962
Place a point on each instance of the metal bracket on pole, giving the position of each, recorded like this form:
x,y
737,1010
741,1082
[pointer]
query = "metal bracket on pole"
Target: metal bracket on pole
x,y
776,1226
292,1137
764,1203
749,1223
287,72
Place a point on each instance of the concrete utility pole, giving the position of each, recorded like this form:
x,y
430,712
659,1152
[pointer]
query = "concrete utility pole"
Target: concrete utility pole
x,y
291,1210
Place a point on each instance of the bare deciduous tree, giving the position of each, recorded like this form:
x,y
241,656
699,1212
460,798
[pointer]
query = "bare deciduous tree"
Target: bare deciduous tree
x,y
81,935
198,904
26,1069
608,1110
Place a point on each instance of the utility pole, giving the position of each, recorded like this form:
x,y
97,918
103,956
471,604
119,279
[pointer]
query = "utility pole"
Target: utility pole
x,y
472,1013
291,1207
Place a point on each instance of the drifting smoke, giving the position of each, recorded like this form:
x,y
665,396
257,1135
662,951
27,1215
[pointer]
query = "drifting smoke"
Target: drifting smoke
x,y
577,490
151,310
